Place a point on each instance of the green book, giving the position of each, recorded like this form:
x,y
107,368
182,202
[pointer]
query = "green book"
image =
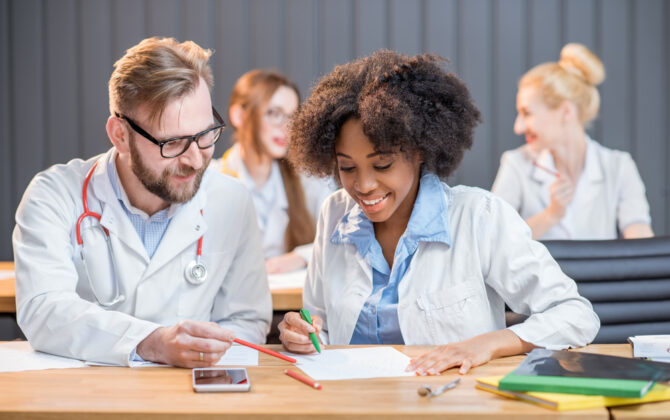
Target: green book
x,y
626,388
573,372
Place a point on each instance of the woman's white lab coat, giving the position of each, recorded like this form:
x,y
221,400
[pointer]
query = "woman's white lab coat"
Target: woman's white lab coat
x,y
316,191
609,195
56,308
451,293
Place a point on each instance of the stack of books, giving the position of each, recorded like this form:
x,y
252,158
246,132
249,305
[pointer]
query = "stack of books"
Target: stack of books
x,y
566,380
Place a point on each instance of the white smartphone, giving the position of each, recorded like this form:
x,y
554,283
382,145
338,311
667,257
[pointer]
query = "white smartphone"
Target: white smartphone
x,y
220,379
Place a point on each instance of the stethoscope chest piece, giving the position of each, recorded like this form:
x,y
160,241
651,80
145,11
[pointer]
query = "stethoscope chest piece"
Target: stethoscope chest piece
x,y
196,272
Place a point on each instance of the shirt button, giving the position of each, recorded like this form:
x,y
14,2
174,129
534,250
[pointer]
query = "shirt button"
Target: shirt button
x,y
374,310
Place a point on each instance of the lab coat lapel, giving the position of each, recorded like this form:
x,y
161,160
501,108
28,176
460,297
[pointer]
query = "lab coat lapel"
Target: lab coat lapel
x,y
103,200
184,230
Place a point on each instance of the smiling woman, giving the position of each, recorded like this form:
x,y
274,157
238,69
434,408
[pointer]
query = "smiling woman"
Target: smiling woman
x,y
286,203
399,256
563,183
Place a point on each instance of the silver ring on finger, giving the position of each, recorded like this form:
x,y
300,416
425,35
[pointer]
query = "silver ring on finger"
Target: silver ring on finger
x,y
202,356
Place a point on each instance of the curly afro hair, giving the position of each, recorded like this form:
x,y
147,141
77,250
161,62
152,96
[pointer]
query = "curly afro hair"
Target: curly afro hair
x,y
407,104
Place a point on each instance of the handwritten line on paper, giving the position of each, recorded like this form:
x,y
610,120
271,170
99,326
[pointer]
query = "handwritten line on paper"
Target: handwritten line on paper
x,y
358,363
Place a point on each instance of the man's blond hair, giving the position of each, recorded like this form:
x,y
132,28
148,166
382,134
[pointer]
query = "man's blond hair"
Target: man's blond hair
x,y
156,71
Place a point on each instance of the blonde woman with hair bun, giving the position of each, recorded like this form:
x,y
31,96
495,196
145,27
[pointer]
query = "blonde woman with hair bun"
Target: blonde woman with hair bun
x,y
563,183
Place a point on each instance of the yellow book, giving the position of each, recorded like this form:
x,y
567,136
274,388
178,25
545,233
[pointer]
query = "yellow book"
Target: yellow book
x,y
562,402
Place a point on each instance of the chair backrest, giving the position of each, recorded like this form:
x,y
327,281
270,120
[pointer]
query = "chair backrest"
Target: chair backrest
x,y
626,280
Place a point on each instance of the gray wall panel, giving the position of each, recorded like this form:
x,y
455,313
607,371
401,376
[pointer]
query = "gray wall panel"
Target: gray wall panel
x,y
616,110
581,25
232,56
127,25
197,22
96,66
545,19
27,100
7,182
371,26
56,57
475,48
266,45
441,30
664,181
508,65
405,17
336,41
650,112
301,58
61,73
162,18
580,22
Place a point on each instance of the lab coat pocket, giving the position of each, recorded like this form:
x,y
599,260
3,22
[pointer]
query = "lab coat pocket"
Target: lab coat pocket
x,y
446,312
196,300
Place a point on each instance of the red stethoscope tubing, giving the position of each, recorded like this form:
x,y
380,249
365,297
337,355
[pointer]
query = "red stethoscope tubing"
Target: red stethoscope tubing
x,y
88,213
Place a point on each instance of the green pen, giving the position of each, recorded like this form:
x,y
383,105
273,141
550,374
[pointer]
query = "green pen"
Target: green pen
x,y
304,314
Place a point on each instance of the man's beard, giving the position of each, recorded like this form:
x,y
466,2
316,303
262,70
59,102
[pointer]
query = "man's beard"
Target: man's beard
x,y
159,185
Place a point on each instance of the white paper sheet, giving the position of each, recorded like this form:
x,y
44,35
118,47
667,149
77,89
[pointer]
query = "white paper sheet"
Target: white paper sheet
x,y
358,363
656,347
235,356
291,280
7,274
16,356
239,356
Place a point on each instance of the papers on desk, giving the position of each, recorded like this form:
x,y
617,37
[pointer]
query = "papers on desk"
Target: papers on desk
x,y
291,280
654,347
17,356
239,356
357,363
235,356
7,274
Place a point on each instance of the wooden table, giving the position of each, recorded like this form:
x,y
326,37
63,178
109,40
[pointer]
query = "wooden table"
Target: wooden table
x,y
166,393
7,290
282,300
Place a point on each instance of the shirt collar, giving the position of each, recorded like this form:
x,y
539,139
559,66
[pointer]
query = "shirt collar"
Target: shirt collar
x,y
270,192
592,172
429,221
121,195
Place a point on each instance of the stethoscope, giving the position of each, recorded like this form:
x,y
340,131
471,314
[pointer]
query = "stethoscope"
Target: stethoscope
x,y
195,273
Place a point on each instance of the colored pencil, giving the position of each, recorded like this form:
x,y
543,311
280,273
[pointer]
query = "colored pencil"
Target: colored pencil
x,y
303,379
264,350
547,170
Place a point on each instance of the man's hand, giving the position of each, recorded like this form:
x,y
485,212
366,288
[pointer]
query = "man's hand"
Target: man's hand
x,y
189,344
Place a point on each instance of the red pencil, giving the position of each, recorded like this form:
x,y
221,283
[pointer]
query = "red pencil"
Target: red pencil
x,y
264,350
303,379
549,171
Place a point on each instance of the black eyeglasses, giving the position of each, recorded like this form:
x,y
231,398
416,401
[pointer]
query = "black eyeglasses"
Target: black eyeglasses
x,y
173,147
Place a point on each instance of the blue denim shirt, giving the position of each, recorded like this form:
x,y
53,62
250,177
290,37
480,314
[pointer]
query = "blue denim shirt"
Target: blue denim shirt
x,y
378,320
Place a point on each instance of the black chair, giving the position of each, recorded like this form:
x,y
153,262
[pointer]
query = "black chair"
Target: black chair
x,y
627,281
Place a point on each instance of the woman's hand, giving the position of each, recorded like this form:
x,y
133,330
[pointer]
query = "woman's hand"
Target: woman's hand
x,y
284,263
294,332
469,353
562,192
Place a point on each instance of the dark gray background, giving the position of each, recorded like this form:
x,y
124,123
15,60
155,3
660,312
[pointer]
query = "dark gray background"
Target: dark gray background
x,y
56,57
